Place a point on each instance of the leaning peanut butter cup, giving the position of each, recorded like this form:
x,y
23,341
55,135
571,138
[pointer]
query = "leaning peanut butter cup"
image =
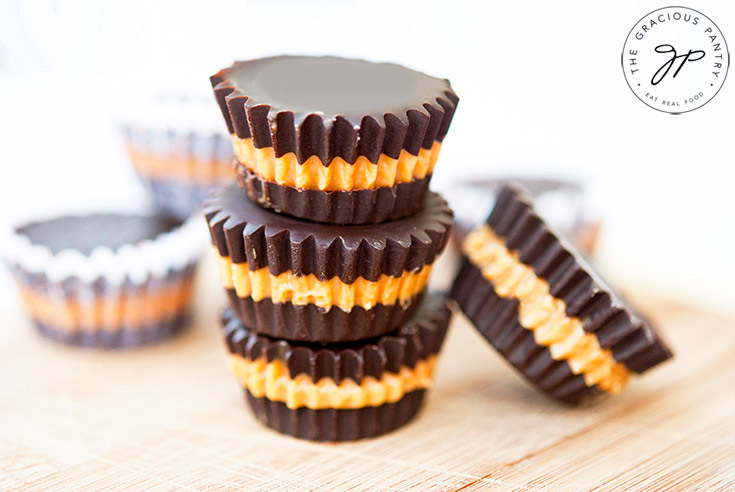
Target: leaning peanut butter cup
x,y
544,308
334,140
344,391
297,280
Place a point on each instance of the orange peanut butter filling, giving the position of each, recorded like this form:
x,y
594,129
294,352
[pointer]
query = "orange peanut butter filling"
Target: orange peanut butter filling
x,y
542,313
339,175
203,171
272,380
308,289
107,313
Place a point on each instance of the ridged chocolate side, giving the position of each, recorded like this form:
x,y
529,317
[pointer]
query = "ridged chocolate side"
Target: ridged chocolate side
x,y
311,323
631,339
336,424
74,289
497,320
118,339
337,207
416,340
413,124
246,232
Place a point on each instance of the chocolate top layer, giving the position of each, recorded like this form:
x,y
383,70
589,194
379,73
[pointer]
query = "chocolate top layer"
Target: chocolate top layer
x,y
329,106
419,338
571,278
86,232
248,233
333,86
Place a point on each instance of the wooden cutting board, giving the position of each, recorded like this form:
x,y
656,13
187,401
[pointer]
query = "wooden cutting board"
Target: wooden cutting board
x,y
171,417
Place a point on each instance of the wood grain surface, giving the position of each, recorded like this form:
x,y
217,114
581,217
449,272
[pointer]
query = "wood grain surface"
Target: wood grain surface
x,y
171,417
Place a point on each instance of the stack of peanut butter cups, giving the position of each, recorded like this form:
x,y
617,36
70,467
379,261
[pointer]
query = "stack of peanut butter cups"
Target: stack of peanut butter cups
x,y
326,242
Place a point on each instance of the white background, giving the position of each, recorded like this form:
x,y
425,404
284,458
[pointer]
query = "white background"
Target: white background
x,y
541,88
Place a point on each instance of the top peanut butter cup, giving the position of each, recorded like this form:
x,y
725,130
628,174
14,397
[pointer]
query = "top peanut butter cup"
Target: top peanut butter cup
x,y
334,140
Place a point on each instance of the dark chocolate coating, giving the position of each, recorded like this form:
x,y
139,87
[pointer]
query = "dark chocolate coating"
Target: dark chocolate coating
x,y
337,207
249,233
333,107
86,232
632,339
497,320
311,323
333,425
419,338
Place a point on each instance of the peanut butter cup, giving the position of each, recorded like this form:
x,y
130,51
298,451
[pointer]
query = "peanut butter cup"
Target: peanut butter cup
x,y
105,280
342,391
542,306
179,149
297,280
334,140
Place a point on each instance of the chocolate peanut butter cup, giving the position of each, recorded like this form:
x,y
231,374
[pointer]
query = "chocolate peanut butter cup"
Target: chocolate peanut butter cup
x,y
343,391
318,134
541,305
293,279
105,280
178,148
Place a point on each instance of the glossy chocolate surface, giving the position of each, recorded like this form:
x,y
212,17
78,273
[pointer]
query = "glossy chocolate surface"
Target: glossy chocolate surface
x,y
333,86
86,232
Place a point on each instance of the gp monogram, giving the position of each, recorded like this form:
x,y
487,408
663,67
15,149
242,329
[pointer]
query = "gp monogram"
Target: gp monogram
x,y
675,59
